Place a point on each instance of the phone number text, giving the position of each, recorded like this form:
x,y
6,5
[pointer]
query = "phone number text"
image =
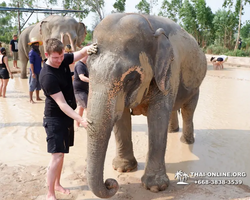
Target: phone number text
x,y
218,182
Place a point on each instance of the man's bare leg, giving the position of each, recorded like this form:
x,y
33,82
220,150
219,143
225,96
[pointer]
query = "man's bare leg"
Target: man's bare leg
x,y
58,186
37,96
15,64
54,174
31,97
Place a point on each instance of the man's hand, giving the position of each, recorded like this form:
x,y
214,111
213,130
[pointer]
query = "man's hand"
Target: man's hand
x,y
84,123
92,49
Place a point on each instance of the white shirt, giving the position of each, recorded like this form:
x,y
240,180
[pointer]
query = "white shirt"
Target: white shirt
x,y
224,57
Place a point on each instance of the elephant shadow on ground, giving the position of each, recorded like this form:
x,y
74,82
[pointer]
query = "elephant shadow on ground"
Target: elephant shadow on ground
x,y
214,150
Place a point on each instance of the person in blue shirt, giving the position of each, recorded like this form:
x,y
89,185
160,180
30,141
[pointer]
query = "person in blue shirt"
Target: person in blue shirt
x,y
35,68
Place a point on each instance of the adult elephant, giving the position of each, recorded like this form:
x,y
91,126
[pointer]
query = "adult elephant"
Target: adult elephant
x,y
50,27
149,65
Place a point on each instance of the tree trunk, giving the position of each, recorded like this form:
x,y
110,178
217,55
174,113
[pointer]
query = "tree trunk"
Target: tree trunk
x,y
225,37
239,26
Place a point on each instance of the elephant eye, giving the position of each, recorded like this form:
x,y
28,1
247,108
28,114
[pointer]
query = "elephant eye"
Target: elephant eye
x,y
131,82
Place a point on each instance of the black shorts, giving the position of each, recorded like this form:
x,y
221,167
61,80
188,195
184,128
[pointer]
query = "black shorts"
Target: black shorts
x,y
219,59
60,134
4,74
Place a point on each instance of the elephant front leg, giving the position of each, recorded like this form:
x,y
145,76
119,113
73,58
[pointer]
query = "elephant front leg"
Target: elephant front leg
x,y
124,160
155,177
24,63
187,111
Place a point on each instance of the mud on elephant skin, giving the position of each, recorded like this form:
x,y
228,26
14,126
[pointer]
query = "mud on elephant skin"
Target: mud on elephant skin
x,y
148,64
50,27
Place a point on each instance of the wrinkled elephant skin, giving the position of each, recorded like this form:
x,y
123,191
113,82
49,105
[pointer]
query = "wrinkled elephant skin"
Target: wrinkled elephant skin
x,y
145,65
50,27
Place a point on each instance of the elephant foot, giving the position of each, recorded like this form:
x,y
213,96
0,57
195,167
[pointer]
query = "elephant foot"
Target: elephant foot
x,y
173,130
155,182
124,165
187,140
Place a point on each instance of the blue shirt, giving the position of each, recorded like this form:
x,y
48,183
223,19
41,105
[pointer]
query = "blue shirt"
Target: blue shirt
x,y
36,60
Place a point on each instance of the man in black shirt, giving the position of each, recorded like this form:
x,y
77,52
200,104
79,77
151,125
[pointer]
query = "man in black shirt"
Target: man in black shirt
x,y
14,50
56,82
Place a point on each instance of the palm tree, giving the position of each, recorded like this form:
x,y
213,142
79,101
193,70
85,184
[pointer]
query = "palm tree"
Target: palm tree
x,y
185,177
179,175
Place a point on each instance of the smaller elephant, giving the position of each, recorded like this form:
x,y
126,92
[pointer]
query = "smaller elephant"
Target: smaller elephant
x,y
50,27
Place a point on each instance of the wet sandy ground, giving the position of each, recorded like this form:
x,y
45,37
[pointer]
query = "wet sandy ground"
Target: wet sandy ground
x,y
222,137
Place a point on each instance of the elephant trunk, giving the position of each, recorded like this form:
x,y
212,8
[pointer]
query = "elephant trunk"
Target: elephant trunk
x,y
99,131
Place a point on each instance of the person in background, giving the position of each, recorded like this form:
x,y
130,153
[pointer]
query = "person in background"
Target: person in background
x,y
5,72
14,50
35,68
81,85
218,61
59,115
69,48
240,43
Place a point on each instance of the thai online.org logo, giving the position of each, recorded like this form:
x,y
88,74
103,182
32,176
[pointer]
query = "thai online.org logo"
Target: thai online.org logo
x,y
182,177
215,178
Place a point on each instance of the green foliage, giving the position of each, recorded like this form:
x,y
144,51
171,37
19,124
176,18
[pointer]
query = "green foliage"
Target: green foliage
x,y
143,7
87,6
245,30
95,6
239,53
239,11
212,49
225,24
88,38
119,5
7,25
76,5
171,9
219,50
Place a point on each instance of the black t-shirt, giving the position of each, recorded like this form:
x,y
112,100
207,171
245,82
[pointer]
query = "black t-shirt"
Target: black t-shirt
x,y
79,85
14,45
54,80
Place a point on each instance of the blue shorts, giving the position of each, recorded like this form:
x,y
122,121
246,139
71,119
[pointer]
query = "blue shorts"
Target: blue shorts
x,y
34,83
60,134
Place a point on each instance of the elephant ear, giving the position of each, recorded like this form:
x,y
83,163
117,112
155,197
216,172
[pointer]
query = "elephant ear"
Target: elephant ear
x,y
44,28
81,33
164,58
